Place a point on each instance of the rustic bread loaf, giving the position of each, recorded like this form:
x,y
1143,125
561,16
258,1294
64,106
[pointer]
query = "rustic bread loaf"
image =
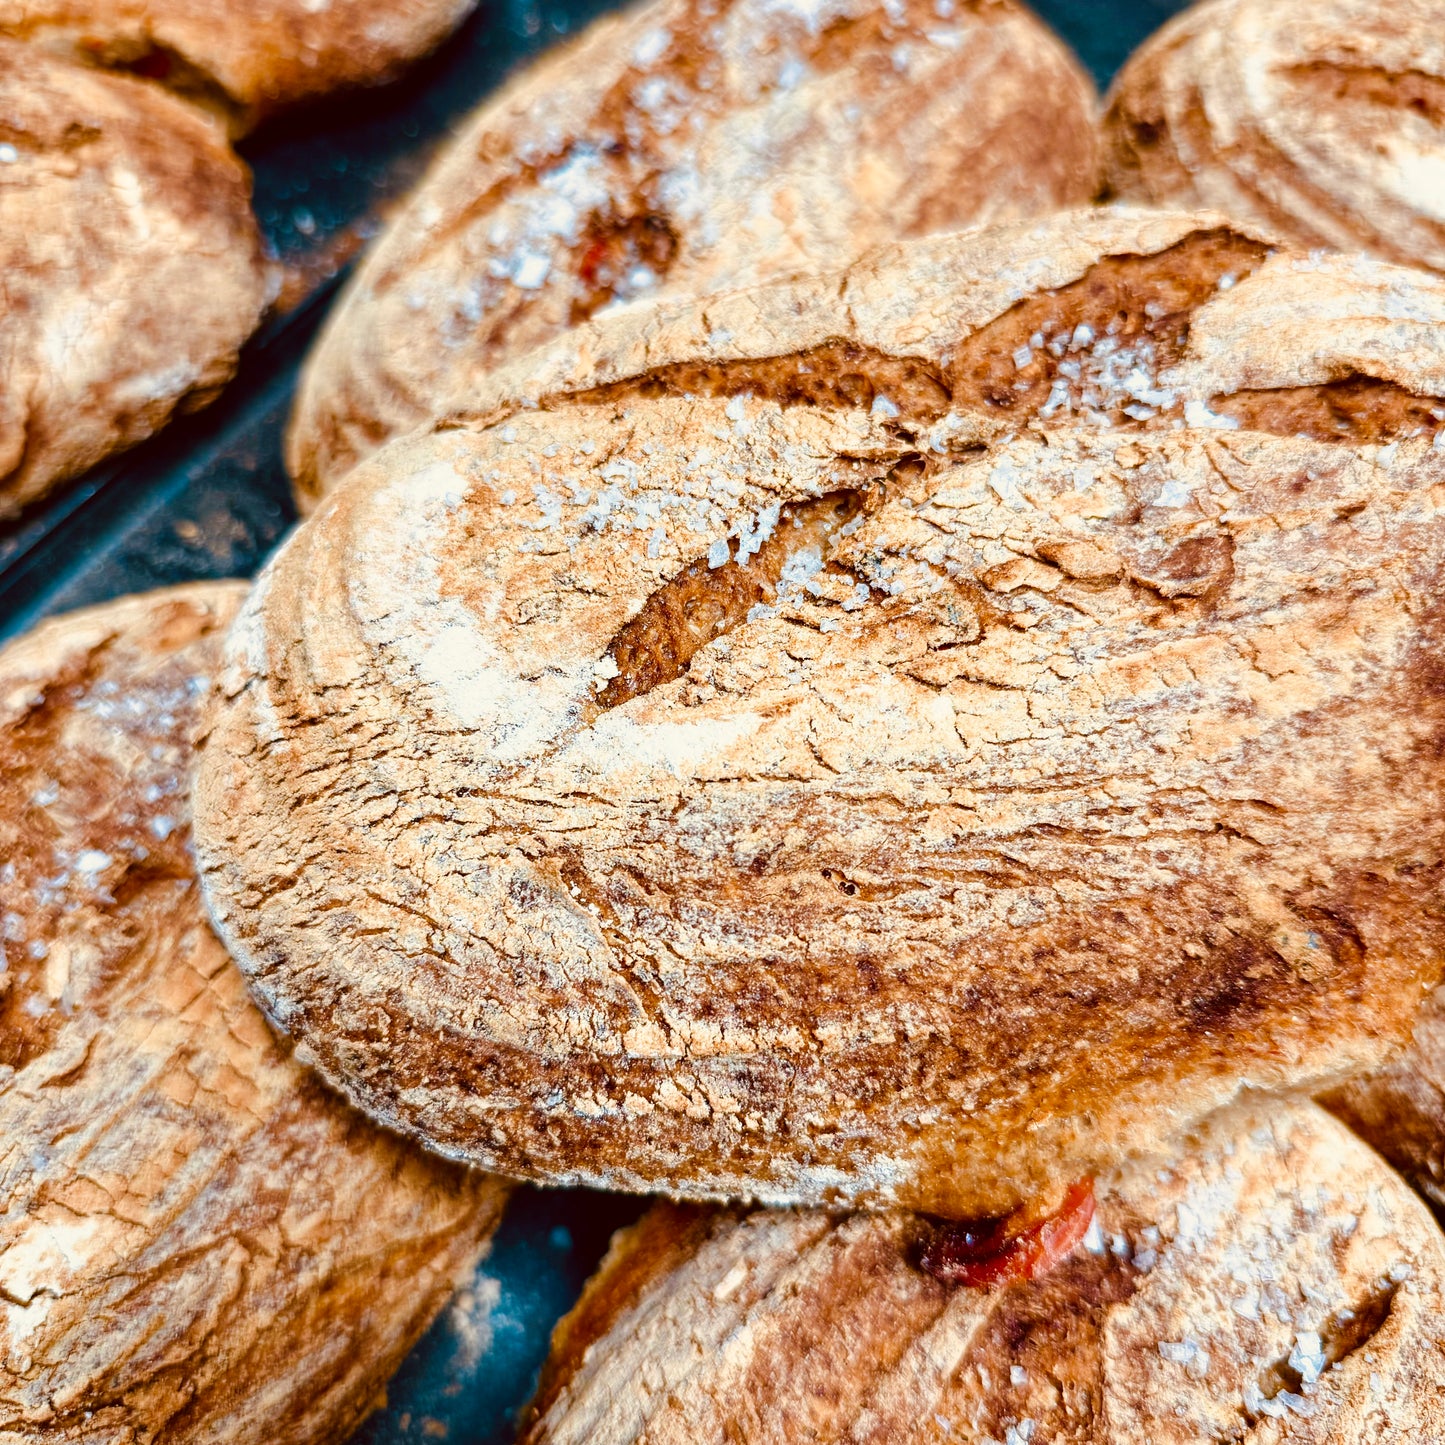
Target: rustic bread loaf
x,y
241,61
132,263
1272,1282
743,800
691,147
197,1241
1323,120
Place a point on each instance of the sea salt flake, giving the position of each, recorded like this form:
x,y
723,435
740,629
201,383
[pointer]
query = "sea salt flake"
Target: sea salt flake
x,y
718,553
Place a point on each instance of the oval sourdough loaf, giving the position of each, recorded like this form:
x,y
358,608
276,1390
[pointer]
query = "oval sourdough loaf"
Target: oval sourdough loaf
x,y
133,266
808,803
1273,1281
242,61
1323,120
693,147
197,1241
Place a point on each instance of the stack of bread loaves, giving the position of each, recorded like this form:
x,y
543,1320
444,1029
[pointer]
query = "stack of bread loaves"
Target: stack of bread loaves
x,y
932,760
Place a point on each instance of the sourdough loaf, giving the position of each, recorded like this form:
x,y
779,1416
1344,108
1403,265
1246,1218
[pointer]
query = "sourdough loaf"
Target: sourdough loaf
x,y
132,263
690,147
1323,120
801,804
1273,1281
197,1241
242,62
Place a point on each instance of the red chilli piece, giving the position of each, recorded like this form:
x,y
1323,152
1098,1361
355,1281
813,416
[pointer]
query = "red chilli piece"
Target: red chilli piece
x,y
155,64
982,1252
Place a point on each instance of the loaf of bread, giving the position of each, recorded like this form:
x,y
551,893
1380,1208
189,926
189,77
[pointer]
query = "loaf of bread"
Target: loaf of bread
x,y
132,263
691,147
197,1241
1274,1281
811,804
1320,119
242,62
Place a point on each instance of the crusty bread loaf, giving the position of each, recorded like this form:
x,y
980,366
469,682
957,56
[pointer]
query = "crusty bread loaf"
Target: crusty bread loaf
x,y
1274,1282
132,263
692,147
197,1241
241,61
1320,119
803,804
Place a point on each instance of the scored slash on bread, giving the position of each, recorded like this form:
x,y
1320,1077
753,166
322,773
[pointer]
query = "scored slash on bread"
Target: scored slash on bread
x,y
133,267
1323,120
690,147
197,1241
1272,1280
1117,317
241,61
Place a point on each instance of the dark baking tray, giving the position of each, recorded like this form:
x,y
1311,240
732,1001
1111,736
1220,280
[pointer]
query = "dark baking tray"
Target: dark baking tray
x,y
209,497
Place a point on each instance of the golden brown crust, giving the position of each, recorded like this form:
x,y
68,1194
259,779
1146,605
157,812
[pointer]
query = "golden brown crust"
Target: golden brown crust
x,y
242,61
1272,1282
692,147
1094,774
1400,1109
1322,120
197,1241
132,263
1115,317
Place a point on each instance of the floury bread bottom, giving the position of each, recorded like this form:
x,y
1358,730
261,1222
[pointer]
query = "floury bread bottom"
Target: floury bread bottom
x,y
197,1241
751,801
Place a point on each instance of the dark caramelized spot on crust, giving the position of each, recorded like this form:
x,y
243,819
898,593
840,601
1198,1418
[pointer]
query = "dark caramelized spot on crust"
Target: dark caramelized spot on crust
x,y
1135,305
834,373
984,1252
610,252
1355,409
703,603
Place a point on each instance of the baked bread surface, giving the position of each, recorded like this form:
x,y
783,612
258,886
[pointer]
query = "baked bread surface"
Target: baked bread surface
x,y
690,148
1272,1281
133,266
801,804
197,1241
1319,119
242,61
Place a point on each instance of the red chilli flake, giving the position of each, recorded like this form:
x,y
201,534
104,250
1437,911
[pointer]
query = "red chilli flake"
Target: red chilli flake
x,y
983,1252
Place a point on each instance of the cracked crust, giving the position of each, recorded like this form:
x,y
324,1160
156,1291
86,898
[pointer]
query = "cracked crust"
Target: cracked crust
x,y
243,62
1272,1282
132,266
1322,120
1057,793
197,1241
1114,317
1117,317
695,148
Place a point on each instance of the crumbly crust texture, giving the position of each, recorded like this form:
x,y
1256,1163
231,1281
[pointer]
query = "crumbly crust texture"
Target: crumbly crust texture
x,y
1273,1281
243,62
1102,317
753,801
133,266
197,1241
1322,120
691,147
